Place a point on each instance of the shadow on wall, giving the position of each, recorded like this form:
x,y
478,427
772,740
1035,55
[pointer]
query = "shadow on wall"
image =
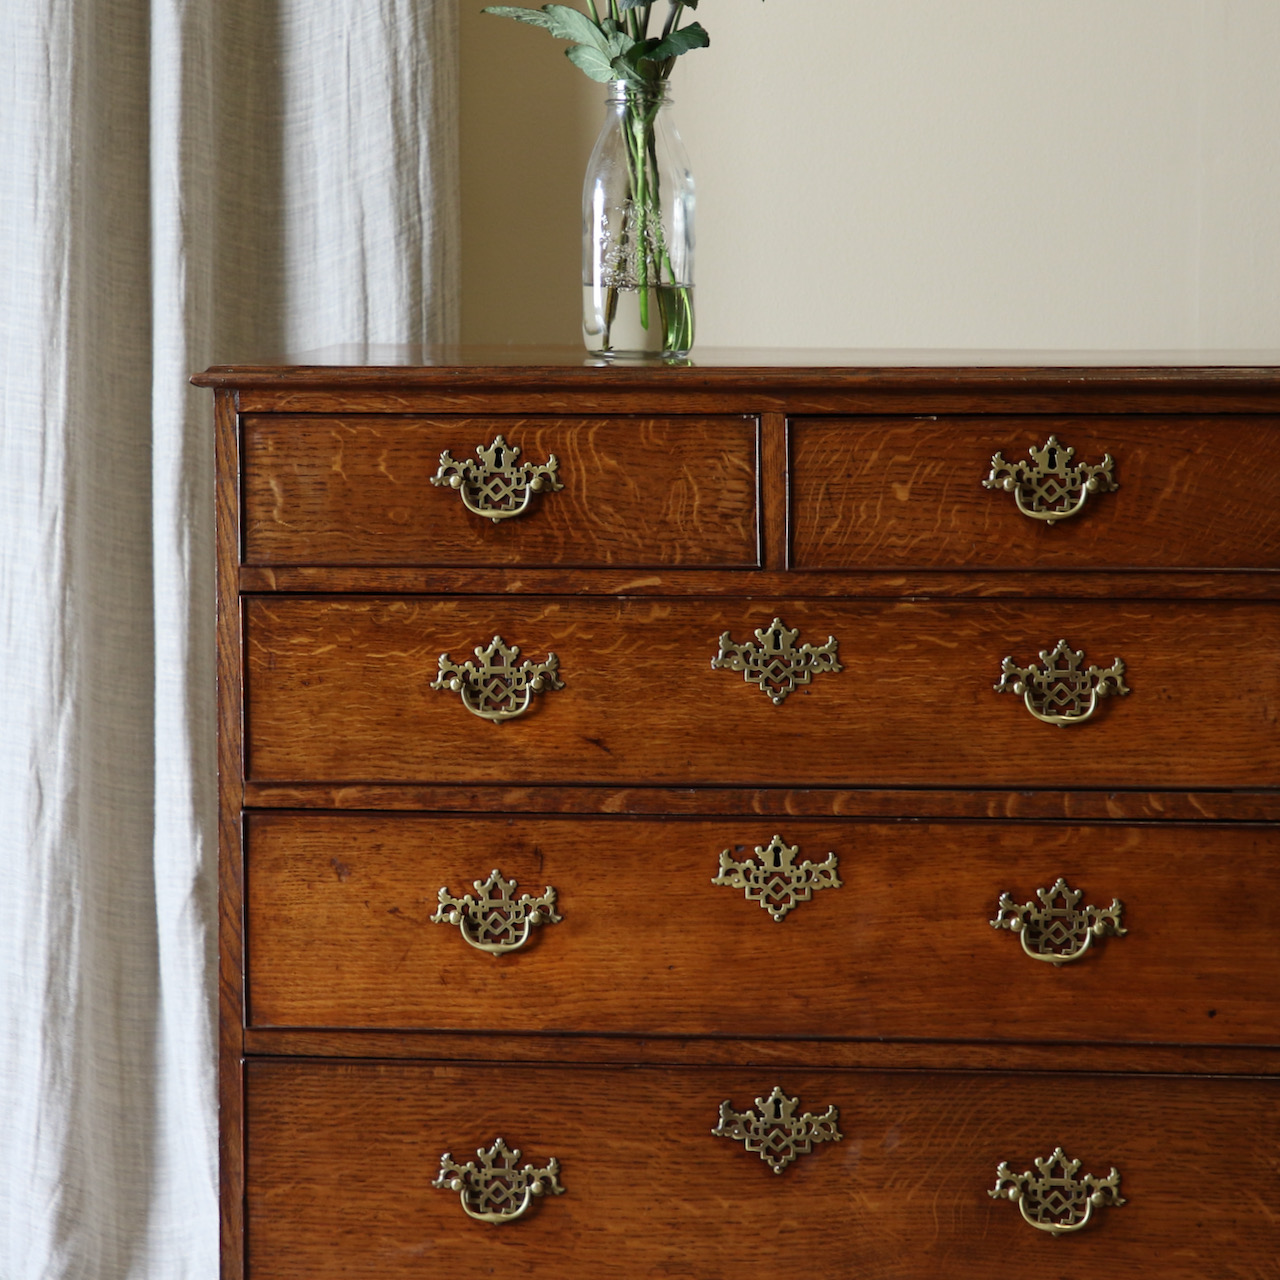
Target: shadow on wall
x,y
529,119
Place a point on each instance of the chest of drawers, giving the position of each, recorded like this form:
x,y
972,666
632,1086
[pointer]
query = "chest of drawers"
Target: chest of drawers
x,y
771,816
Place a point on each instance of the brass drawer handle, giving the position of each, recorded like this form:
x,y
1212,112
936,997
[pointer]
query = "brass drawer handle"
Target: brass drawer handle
x,y
496,689
775,1132
1054,1199
496,921
495,1190
773,879
775,663
1057,930
499,486
1049,486
1061,692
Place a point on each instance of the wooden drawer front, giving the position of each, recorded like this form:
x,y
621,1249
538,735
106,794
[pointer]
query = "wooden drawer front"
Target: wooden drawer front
x,y
341,935
907,493
339,690
637,492
341,1159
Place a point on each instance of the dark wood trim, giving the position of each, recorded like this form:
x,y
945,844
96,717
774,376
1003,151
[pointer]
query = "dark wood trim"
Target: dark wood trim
x,y
485,368
230,879
990,399
869,804
816,1054
1261,584
773,507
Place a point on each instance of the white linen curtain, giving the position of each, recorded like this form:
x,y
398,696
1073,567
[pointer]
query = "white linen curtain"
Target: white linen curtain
x,y
182,182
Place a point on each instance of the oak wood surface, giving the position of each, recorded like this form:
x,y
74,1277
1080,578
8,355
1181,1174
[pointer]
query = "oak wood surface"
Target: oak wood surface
x,y
339,691
341,1159
919,803
515,381
647,763
638,492
908,492
1033,583
371,362
340,930
550,1048
761,395
230,784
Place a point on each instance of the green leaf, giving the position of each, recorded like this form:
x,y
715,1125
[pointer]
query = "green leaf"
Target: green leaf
x,y
534,17
627,66
691,37
598,65
573,24
563,22
643,50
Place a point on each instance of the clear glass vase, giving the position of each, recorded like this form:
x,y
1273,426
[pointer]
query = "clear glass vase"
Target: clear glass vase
x,y
637,230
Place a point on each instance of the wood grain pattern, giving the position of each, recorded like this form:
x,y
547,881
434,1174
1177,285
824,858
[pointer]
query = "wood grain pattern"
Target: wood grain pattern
x,y
340,933
507,380
637,492
842,492
552,1049
339,692
1050,584
908,493
1235,805
757,392
341,1158
229,662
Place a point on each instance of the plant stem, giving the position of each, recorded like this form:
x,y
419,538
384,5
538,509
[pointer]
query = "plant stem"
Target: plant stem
x,y
595,17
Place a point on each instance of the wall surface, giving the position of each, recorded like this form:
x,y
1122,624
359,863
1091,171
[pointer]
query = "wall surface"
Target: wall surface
x,y
1087,174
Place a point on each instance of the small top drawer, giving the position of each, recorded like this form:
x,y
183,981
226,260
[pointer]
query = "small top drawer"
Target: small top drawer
x,y
898,493
624,492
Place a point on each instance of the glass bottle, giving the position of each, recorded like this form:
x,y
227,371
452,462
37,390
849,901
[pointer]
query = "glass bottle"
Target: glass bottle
x,y
637,229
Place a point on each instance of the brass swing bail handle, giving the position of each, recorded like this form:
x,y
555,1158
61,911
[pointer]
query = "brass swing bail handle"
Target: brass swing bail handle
x,y
1048,485
494,920
496,687
1055,1196
493,1188
1060,689
497,485
1056,928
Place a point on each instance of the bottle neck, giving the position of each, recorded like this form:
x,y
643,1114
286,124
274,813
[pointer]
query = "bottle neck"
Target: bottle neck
x,y
649,94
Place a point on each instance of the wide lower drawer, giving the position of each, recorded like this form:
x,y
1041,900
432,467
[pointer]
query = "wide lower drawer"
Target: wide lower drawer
x,y
344,1162
833,929
355,689
909,493
564,491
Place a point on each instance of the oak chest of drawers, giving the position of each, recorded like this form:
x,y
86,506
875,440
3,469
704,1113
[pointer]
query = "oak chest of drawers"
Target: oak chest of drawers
x,y
748,819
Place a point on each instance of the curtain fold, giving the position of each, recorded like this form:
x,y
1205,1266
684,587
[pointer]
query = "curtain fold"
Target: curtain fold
x,y
186,182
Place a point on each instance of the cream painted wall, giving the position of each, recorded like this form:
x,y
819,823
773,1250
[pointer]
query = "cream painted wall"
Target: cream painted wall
x,y
1087,174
